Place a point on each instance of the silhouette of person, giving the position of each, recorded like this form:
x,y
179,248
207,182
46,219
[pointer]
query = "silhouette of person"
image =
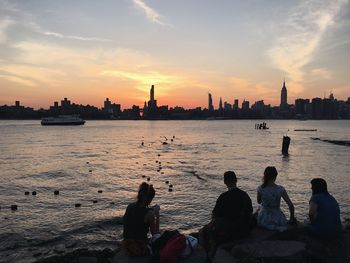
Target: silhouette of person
x,y
139,219
269,195
231,217
324,212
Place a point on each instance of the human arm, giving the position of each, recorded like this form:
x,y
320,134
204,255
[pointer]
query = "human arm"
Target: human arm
x,y
258,197
219,206
312,212
290,206
152,218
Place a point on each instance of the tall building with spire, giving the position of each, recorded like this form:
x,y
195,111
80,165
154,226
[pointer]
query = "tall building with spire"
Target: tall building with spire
x,y
220,104
284,103
152,103
210,102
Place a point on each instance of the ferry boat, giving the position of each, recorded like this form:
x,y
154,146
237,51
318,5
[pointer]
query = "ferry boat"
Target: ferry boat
x,y
63,120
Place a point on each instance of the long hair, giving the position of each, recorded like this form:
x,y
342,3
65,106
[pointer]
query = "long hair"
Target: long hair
x,y
146,193
318,186
270,174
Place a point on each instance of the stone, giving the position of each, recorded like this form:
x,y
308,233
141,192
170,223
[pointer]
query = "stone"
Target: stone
x,y
90,171
56,192
14,207
158,154
167,182
100,191
26,193
77,205
170,185
94,201
170,189
165,143
273,250
34,193
148,179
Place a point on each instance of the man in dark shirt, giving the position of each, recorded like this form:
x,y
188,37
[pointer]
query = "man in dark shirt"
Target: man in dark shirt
x,y
231,217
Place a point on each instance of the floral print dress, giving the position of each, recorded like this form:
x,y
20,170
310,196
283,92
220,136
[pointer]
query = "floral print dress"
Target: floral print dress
x,y
270,215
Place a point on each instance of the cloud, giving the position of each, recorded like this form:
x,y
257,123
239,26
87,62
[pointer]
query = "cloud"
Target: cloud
x,y
321,73
300,37
59,35
150,13
4,24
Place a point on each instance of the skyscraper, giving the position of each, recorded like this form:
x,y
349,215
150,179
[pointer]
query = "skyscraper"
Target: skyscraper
x,y
152,93
152,103
210,102
284,103
220,104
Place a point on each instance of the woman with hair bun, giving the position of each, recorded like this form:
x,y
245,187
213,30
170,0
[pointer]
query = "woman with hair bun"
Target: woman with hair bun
x,y
270,215
139,219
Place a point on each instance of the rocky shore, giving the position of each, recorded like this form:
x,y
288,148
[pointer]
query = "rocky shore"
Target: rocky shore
x,y
293,245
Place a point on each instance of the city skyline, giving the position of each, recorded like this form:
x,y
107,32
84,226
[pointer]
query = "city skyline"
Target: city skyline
x,y
236,50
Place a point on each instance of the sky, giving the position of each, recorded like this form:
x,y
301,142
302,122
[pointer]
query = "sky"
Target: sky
x,y
88,50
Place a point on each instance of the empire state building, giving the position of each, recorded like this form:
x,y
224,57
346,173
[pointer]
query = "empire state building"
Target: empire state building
x,y
284,104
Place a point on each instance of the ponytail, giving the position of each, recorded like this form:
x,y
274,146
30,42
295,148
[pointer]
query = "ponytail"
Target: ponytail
x,y
146,193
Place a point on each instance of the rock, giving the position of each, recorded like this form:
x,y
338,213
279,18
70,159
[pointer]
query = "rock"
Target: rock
x,y
77,205
165,143
148,179
26,193
167,182
143,176
158,154
272,251
14,207
161,172
94,201
87,162
172,140
112,203
34,193
90,171
170,189
223,256
56,192
170,185
156,161
100,191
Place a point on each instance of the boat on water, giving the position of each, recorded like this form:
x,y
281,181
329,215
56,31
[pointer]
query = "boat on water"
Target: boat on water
x,y
63,120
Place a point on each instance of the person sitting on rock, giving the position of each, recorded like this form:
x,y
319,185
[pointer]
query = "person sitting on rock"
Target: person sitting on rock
x,y
269,195
138,220
231,217
324,212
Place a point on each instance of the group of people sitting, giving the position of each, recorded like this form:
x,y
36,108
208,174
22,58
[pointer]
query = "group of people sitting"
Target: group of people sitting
x,y
233,217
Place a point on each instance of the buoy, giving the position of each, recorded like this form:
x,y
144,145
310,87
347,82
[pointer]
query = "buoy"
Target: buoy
x,y
77,205
99,191
94,201
142,143
170,185
56,192
14,207
157,161
285,145
158,154
111,203
160,163
26,193
170,189
143,176
172,140
34,193
87,162
174,136
158,170
148,179
167,182
90,171
165,143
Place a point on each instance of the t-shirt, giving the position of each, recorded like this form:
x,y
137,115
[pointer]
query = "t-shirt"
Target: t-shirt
x,y
236,206
134,222
328,215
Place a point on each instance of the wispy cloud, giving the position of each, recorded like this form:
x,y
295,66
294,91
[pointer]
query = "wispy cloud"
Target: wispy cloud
x,y
301,36
4,24
150,13
59,35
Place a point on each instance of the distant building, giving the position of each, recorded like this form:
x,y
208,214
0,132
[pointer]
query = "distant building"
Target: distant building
x,y
152,103
317,108
107,105
65,103
227,106
235,104
220,104
245,105
302,107
17,103
210,102
284,103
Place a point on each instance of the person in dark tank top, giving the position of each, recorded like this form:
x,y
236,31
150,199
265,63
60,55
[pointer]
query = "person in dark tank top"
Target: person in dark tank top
x,y
324,212
139,219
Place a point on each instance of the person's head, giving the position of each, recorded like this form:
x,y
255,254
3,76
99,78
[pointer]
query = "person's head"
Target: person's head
x,y
270,175
230,179
318,186
145,194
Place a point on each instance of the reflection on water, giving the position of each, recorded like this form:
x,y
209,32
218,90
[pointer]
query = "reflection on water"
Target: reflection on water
x,y
108,156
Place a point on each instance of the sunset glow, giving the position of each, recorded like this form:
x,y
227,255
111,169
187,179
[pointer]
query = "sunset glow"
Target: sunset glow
x,y
88,51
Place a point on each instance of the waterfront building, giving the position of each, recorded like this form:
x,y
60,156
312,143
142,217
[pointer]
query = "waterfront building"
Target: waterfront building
x,y
210,102
152,103
220,104
317,108
235,104
302,107
284,103
245,105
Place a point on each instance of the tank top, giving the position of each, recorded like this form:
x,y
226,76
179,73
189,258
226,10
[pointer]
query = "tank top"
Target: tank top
x,y
134,222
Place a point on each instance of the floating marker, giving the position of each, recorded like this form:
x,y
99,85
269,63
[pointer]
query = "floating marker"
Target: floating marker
x,y
56,192
94,201
167,182
142,143
143,176
148,179
26,193
165,143
158,170
77,205
90,171
157,161
99,191
34,193
158,154
170,185
170,189
174,136
14,207
87,162
172,140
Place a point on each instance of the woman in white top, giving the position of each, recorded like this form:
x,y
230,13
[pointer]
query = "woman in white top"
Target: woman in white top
x,y
270,215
